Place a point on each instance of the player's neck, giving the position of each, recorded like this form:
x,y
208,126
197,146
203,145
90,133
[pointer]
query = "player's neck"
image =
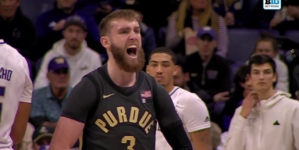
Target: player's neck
x,y
59,93
120,77
265,95
169,87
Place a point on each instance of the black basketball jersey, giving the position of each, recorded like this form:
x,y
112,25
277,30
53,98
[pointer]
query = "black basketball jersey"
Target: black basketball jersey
x,y
124,118
119,118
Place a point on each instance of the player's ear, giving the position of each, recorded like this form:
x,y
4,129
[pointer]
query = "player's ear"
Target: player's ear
x,y
105,41
274,77
175,70
187,77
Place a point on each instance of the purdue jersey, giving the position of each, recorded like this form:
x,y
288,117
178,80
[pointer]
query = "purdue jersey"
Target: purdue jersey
x,y
119,118
192,111
15,87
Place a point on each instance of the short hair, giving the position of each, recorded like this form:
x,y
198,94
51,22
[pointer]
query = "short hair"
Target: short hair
x,y
241,74
180,63
262,59
104,26
164,50
267,38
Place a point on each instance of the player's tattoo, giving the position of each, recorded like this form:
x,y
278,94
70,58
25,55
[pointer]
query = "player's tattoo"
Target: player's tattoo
x,y
204,137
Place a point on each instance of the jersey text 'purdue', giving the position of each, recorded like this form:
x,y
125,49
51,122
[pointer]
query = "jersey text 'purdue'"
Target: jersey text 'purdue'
x,y
146,121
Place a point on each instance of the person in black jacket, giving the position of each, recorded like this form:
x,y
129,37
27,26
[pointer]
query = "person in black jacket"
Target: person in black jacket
x,y
16,29
209,73
242,87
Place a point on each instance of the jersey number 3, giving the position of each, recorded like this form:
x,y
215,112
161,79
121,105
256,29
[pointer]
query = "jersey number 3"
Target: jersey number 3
x,y
129,140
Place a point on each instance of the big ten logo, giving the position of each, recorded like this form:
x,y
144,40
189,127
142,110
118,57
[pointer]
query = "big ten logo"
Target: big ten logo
x,y
272,4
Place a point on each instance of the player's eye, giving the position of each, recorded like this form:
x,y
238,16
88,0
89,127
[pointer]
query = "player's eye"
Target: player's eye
x,y
137,31
124,32
166,65
255,72
154,65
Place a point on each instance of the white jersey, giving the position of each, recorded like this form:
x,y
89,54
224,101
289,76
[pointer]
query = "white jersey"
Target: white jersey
x,y
192,111
15,87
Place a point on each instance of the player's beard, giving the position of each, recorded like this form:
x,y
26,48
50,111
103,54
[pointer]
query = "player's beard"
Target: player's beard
x,y
124,63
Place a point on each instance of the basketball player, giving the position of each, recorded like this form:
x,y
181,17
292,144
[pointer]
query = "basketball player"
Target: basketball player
x,y
117,105
189,106
15,96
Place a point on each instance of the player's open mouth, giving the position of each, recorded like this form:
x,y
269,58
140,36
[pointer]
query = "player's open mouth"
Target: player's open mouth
x,y
131,51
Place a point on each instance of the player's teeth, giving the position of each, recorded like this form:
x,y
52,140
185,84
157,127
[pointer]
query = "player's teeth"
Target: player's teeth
x,y
132,46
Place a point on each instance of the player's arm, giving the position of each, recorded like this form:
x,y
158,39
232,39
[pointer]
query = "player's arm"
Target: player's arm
x,y
71,123
197,122
169,121
201,140
22,116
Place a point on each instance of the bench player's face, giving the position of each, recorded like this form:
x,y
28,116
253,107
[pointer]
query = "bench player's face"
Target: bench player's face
x,y
162,68
262,77
126,43
59,78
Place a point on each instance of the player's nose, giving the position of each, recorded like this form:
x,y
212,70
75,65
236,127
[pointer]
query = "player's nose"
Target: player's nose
x,y
133,36
159,69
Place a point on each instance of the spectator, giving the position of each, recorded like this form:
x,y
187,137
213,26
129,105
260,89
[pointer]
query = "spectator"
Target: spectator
x,y
241,90
267,45
50,24
148,35
73,47
100,8
47,102
293,11
248,14
267,119
41,138
16,29
39,7
281,15
181,77
223,6
209,73
191,16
